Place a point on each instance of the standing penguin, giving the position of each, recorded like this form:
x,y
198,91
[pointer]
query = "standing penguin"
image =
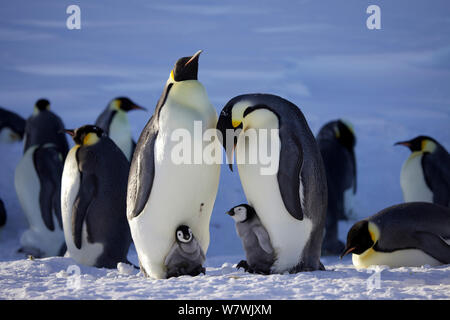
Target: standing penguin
x,y
114,122
37,182
336,141
12,126
186,257
290,200
406,235
255,240
93,199
44,126
164,194
425,175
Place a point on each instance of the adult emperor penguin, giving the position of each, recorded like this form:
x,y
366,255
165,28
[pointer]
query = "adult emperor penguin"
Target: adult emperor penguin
x,y
186,257
162,193
44,126
425,175
37,182
255,240
291,199
93,199
336,141
405,235
12,126
114,122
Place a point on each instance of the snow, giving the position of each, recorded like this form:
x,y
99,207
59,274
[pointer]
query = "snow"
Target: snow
x,y
391,84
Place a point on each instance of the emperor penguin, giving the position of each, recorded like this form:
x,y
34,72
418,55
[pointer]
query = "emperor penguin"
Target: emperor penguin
x,y
114,122
336,140
425,175
37,181
164,193
186,257
411,234
93,199
12,126
290,197
44,126
255,240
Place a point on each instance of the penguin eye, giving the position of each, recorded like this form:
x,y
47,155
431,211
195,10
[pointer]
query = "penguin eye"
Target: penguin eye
x,y
180,235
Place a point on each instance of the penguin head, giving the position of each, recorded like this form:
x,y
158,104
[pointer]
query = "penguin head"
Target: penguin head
x,y
361,237
41,105
86,135
345,133
184,234
185,68
124,104
230,123
420,144
242,213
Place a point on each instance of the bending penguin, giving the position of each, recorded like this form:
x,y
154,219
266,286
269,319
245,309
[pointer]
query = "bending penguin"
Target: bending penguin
x,y
162,193
336,141
12,126
255,240
114,122
425,175
93,199
37,182
289,194
406,235
186,257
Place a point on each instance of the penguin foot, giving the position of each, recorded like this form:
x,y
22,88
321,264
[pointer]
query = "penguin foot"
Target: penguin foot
x,y
301,267
243,264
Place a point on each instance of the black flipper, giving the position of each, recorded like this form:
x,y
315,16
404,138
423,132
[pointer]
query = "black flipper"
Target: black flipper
x,y
433,245
437,177
49,167
85,197
2,214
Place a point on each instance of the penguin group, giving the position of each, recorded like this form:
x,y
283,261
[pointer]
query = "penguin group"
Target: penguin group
x,y
93,201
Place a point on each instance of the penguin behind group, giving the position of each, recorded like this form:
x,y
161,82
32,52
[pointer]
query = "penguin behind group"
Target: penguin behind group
x,y
425,175
114,122
162,194
93,199
12,126
411,234
186,257
336,141
291,200
255,240
37,182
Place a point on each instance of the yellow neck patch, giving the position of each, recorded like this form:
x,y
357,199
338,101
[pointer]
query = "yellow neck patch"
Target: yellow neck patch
x,y
235,123
90,139
428,146
374,232
115,104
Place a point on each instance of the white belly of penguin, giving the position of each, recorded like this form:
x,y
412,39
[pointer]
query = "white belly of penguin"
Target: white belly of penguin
x,y
120,133
70,185
27,185
177,194
413,182
287,234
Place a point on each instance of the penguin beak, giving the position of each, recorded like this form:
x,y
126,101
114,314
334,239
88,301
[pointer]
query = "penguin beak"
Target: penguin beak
x,y
346,252
70,132
194,57
230,213
136,107
403,143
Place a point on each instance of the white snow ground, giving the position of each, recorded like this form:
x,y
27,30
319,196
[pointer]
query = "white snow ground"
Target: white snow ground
x,y
392,84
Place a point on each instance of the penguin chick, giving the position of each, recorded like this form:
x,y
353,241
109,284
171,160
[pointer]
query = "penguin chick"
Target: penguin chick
x,y
186,257
114,122
406,235
425,175
255,240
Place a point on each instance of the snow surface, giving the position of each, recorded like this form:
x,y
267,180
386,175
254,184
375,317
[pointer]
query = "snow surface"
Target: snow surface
x,y
392,84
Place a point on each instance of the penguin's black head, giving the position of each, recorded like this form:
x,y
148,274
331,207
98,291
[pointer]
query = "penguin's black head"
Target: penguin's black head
x,y
126,104
242,212
86,135
42,104
345,134
420,143
184,234
186,68
360,238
